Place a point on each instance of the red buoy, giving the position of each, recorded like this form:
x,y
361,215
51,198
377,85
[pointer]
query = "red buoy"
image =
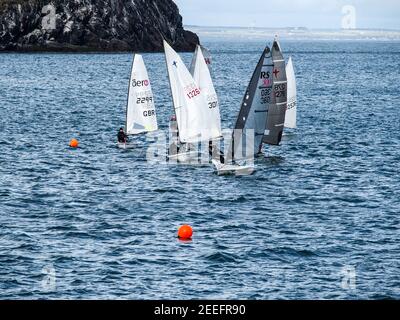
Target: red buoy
x,y
185,232
74,143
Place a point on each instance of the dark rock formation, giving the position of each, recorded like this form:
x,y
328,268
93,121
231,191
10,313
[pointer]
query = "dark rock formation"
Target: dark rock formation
x,y
92,25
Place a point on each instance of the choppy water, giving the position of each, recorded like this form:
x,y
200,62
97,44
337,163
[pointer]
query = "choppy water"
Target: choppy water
x,y
103,221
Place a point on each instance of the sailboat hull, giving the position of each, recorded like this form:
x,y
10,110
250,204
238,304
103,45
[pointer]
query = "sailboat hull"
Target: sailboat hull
x,y
125,146
183,157
228,169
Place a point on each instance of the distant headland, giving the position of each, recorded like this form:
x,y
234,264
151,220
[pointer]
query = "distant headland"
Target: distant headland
x,y
292,33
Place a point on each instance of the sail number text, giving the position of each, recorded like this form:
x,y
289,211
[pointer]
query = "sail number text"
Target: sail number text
x,y
266,96
291,105
213,105
280,90
142,100
193,93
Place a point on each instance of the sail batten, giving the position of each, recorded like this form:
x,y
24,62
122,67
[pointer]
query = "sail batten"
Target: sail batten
x,y
140,112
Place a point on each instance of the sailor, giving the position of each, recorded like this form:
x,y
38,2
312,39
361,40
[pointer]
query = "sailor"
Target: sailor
x,y
176,146
122,137
215,153
173,127
260,149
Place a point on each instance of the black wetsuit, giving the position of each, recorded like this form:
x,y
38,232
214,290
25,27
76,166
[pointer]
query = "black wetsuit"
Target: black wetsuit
x,y
215,152
121,137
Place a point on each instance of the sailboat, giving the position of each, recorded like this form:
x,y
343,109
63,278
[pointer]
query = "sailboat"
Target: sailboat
x,y
291,112
190,104
140,111
254,109
252,116
277,107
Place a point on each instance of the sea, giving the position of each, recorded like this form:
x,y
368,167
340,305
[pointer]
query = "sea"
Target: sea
x,y
319,218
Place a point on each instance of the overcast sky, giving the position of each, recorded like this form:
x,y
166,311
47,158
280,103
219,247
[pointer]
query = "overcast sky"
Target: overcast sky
x,y
289,13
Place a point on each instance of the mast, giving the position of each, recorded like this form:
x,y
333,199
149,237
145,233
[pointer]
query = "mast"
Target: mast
x,y
194,60
170,87
129,91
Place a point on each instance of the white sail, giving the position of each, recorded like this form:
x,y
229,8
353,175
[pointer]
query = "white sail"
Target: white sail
x,y
291,112
189,102
140,114
207,58
202,76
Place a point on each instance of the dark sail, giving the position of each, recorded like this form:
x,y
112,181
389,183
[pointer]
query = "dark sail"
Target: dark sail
x,y
253,111
277,108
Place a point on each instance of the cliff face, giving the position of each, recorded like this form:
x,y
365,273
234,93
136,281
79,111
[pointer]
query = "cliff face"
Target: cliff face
x,y
92,25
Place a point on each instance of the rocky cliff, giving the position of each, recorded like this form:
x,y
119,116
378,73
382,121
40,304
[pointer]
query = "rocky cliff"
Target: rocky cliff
x,y
92,25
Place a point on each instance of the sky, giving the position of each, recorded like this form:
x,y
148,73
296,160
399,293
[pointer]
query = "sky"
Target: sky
x,y
313,14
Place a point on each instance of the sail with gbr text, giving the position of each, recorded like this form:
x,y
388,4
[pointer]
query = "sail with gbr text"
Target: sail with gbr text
x,y
140,112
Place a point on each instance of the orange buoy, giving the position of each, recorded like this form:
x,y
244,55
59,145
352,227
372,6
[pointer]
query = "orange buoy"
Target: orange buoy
x,y
74,143
185,232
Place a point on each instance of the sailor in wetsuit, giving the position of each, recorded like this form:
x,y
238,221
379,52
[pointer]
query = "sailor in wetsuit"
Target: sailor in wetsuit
x,y
176,146
122,137
215,153
173,127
